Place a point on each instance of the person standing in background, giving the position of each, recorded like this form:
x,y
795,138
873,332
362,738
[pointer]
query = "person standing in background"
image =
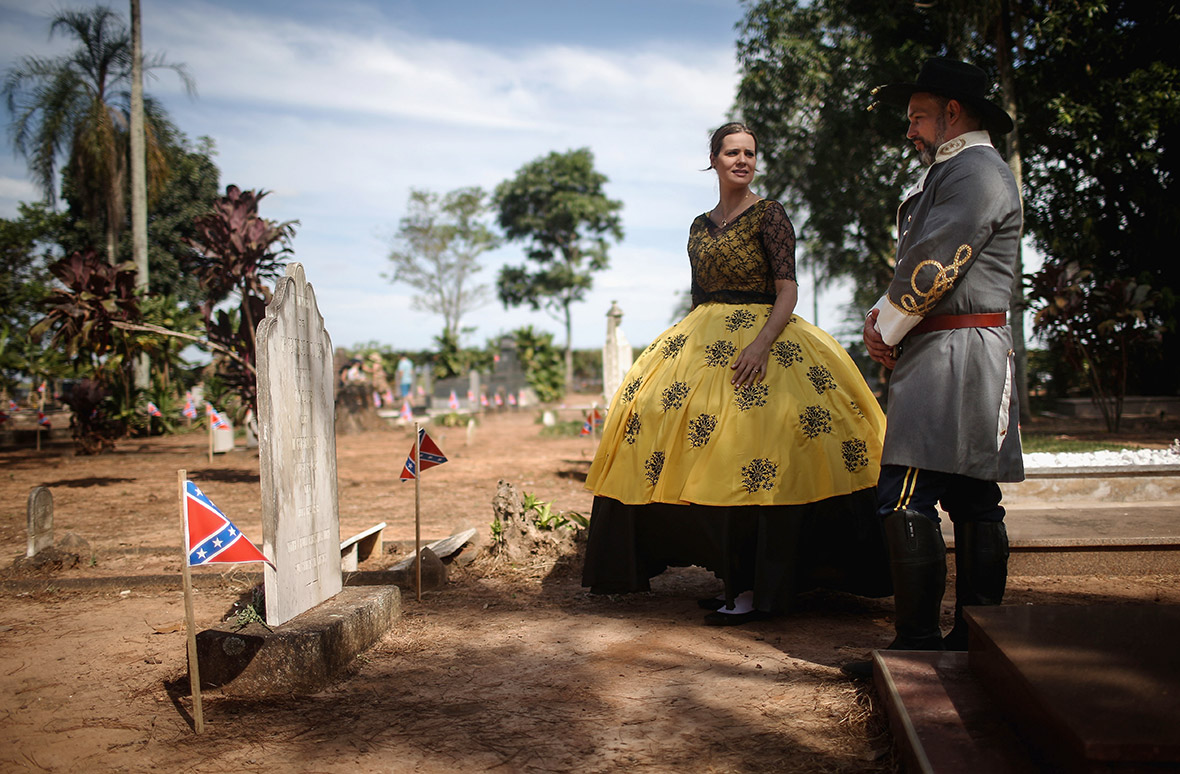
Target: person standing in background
x,y
405,376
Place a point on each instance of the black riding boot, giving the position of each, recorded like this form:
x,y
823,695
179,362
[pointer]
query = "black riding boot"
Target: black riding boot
x,y
917,561
981,571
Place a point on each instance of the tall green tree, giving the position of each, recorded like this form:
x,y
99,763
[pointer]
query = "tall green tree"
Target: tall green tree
x,y
1094,182
192,189
26,251
1103,137
437,250
75,108
807,70
556,206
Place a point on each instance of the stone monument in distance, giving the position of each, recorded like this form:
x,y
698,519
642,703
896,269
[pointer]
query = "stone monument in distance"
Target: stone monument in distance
x,y
616,353
297,451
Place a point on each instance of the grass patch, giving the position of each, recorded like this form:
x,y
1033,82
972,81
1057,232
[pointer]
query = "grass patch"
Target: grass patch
x,y
1033,443
563,429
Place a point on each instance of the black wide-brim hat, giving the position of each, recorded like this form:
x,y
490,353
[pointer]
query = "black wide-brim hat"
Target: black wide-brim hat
x,y
956,80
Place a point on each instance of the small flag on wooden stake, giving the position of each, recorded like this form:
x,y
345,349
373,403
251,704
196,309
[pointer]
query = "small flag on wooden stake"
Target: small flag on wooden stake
x,y
431,456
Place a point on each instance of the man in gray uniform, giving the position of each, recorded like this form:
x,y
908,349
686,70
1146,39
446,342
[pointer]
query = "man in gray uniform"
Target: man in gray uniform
x,y
952,426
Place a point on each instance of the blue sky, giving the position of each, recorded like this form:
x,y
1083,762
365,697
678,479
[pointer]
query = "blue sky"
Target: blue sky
x,y
340,108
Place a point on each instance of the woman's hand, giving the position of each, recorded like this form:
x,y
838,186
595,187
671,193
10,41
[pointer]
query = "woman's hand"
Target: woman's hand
x,y
750,366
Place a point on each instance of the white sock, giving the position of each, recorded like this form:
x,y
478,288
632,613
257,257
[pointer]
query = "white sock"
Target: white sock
x,y
743,603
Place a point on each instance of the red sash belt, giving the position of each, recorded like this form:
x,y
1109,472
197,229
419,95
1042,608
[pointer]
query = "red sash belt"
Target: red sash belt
x,y
945,322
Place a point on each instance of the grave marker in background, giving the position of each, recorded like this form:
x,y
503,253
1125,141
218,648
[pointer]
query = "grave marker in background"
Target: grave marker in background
x,y
297,451
223,437
616,353
40,520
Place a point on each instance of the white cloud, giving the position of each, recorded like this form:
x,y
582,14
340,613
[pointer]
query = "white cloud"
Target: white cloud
x,y
14,190
340,120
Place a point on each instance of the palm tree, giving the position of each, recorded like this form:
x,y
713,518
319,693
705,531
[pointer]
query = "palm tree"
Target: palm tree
x,y
77,107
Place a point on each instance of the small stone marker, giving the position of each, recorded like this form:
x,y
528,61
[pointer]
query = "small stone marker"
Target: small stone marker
x,y
40,520
223,437
297,451
616,353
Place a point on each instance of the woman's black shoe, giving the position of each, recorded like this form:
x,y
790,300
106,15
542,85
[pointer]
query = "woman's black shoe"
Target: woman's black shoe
x,y
734,619
712,603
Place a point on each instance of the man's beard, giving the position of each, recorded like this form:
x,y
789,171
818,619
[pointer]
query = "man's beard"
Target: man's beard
x,y
931,149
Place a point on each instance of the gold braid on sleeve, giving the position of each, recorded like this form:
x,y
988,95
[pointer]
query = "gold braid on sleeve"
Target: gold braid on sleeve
x,y
921,302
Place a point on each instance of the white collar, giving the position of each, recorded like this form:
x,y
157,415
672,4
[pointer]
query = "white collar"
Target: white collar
x,y
949,150
952,148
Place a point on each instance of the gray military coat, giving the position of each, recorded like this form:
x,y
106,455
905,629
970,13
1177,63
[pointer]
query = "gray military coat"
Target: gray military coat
x,y
952,403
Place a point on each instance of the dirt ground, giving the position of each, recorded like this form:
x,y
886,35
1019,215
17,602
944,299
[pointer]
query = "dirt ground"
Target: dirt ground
x,y
518,670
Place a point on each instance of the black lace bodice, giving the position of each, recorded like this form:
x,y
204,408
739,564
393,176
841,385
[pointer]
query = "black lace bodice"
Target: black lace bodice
x,y
738,264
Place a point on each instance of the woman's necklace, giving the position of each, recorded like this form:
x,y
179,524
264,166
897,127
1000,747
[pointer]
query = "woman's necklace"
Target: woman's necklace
x,y
732,213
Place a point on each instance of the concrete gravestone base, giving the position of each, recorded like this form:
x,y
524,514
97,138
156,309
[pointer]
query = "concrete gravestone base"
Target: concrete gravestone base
x,y
302,655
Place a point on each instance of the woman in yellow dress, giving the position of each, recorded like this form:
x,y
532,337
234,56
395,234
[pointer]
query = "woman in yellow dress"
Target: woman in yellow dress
x,y
744,439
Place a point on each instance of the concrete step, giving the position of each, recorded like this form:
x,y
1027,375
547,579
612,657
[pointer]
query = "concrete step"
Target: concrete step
x,y
941,718
1100,520
1091,688
1088,538
1055,688
1124,483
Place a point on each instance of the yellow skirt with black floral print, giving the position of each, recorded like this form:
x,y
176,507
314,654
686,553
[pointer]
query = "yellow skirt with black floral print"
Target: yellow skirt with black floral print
x,y
678,431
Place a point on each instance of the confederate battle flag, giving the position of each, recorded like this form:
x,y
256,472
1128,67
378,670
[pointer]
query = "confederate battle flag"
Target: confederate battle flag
x,y
212,538
431,456
215,417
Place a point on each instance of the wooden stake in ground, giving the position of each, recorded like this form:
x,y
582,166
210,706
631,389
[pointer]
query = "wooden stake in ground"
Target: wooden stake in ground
x,y
413,469
40,414
208,537
418,508
209,421
194,672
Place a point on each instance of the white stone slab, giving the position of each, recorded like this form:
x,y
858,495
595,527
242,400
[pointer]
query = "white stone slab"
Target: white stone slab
x,y
360,547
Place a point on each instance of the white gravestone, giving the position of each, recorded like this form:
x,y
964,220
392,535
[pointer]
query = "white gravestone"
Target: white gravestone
x,y
223,437
40,520
616,354
297,451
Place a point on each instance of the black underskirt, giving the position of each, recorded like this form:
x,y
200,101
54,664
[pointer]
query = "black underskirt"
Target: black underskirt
x,y
777,551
